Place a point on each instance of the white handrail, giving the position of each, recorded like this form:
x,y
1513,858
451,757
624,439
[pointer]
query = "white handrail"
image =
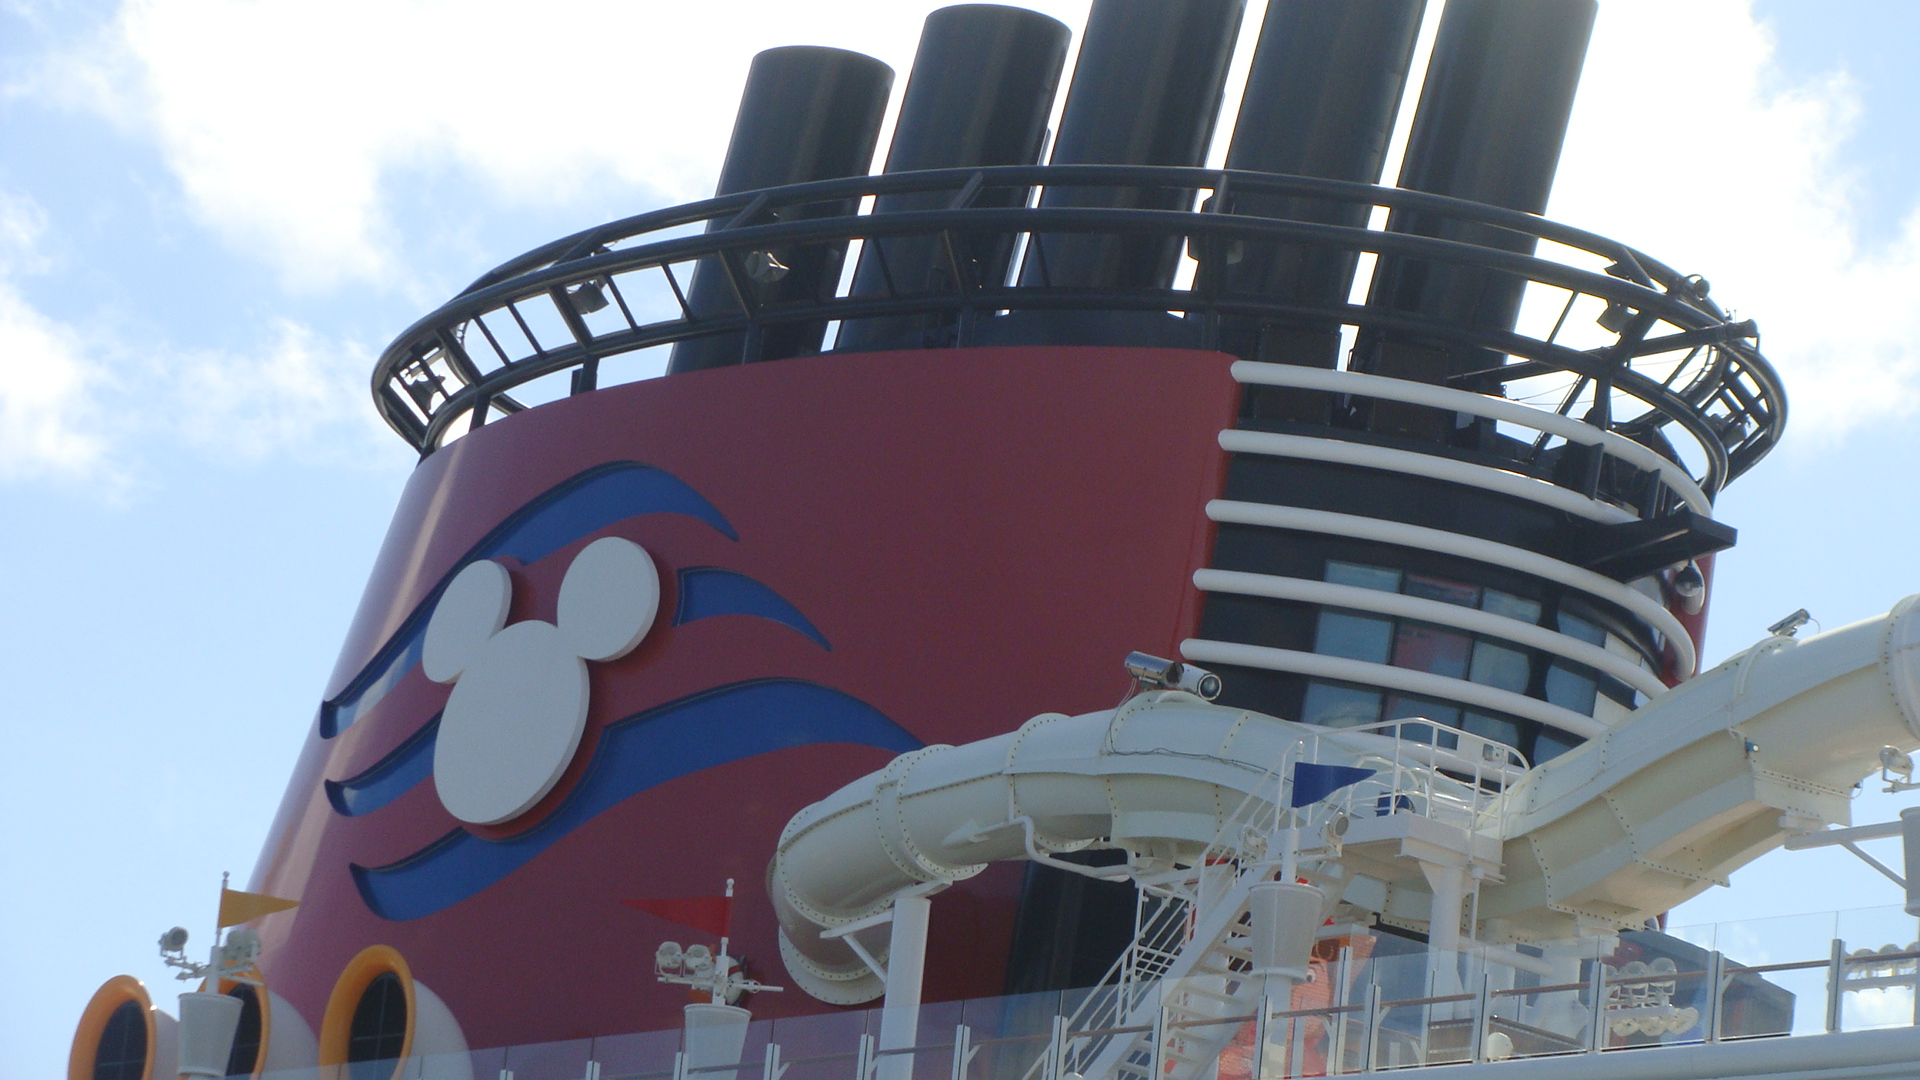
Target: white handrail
x,y
1473,620
1466,547
1481,405
1431,466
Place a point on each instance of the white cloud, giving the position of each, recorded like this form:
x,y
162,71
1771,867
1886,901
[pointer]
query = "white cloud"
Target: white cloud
x,y
1686,143
288,125
78,406
48,425
282,121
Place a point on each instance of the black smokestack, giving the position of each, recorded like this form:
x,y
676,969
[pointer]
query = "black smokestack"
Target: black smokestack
x,y
806,114
1492,117
1146,91
982,86
1322,94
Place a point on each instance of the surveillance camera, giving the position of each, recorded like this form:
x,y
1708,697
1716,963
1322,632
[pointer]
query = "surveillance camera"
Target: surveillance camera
x,y
1173,675
1787,626
1690,585
1197,681
174,940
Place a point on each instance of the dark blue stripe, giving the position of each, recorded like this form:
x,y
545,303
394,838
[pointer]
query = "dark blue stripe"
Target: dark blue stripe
x,y
577,506
644,750
390,777
706,591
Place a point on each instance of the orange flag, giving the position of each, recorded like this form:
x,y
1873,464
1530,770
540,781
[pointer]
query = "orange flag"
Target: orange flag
x,y
237,907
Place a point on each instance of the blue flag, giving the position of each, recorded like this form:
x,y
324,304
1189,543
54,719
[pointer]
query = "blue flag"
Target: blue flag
x,y
1311,783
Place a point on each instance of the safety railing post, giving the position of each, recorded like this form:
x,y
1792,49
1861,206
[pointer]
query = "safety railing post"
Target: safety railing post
x,y
1370,1029
1716,975
962,1052
1482,1018
1262,1034
862,1063
1597,987
770,1067
1836,976
1162,1031
1057,1048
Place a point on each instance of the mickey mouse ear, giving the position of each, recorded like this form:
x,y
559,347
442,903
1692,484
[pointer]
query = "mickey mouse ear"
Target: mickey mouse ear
x,y
470,612
609,598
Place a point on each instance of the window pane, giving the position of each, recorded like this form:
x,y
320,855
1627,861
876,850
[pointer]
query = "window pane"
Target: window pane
x,y
1550,744
1357,637
1513,607
1339,706
1365,577
1403,707
1429,648
1577,627
1492,727
1497,665
1570,689
1447,592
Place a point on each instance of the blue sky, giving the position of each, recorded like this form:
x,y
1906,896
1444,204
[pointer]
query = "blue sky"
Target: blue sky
x,y
213,214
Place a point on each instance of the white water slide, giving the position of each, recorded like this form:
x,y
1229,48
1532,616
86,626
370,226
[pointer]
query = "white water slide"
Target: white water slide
x,y
1696,783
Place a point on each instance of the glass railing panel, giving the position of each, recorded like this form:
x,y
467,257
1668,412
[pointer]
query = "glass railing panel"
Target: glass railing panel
x,y
645,1055
822,1047
1882,948
1777,972
566,1060
1011,1034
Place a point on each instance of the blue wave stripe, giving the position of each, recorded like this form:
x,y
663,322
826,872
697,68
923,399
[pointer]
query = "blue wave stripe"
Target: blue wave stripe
x,y
581,504
643,751
706,591
390,777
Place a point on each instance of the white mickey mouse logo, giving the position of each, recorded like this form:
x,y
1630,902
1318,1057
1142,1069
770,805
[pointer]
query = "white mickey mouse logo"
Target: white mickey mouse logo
x,y
519,706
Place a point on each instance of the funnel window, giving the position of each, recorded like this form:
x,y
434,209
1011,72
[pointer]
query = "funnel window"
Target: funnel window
x,y
122,1053
379,1030
245,1057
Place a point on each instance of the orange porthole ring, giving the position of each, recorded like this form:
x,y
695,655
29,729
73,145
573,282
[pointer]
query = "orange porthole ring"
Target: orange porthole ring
x,y
336,1027
106,1001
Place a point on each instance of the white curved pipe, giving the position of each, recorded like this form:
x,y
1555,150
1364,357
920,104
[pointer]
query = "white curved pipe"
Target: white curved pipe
x,y
1472,620
1160,773
1481,405
1405,680
1467,547
1696,783
1430,466
1712,774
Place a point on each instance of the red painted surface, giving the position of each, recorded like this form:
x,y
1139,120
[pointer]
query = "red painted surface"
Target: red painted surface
x,y
982,534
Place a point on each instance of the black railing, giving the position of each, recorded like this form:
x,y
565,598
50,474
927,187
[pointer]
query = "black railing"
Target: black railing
x,y
1660,358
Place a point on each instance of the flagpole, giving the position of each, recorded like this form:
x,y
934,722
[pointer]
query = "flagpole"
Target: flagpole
x,y
726,924
213,976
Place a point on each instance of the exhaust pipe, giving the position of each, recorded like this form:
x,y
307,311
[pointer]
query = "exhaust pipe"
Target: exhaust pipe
x,y
1492,116
1321,97
807,113
981,89
1146,91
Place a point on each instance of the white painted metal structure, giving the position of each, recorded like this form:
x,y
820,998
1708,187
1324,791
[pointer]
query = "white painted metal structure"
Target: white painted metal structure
x,y
1696,783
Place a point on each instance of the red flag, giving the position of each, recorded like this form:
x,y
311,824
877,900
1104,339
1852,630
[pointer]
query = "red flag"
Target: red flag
x,y
709,913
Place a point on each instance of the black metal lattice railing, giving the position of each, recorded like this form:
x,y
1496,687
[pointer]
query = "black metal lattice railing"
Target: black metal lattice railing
x,y
1661,361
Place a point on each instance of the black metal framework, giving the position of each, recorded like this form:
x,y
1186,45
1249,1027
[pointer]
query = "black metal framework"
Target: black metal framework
x,y
1669,361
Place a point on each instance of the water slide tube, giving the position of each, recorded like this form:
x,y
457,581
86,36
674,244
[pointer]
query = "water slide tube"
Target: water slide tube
x,y
1702,779
1707,777
1157,776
